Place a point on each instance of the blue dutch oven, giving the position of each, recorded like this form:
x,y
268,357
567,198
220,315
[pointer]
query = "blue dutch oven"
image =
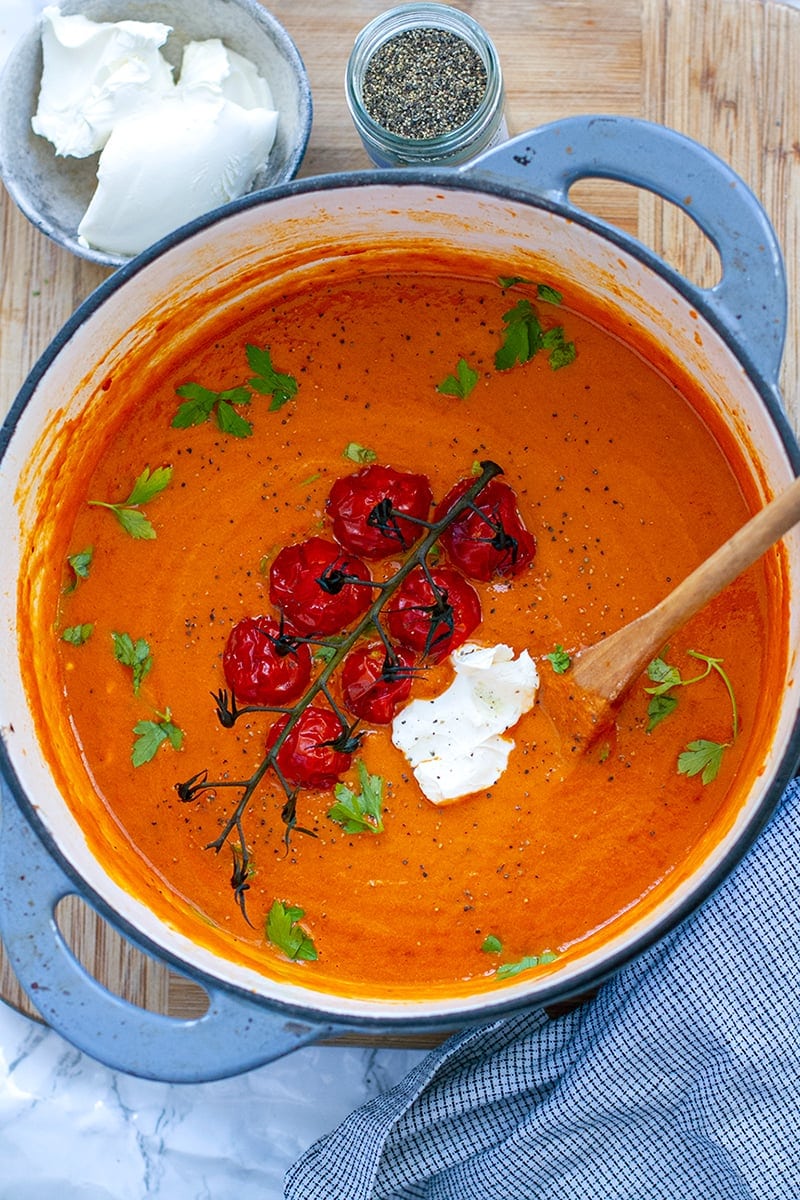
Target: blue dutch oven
x,y
512,205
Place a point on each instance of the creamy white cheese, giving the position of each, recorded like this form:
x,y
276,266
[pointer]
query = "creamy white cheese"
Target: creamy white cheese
x,y
170,151
211,66
93,74
164,166
453,742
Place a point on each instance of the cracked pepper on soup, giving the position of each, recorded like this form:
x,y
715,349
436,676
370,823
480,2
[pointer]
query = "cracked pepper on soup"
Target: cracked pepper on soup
x,y
313,578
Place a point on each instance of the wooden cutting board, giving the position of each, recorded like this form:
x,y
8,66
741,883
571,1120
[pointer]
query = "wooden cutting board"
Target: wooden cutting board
x,y
723,71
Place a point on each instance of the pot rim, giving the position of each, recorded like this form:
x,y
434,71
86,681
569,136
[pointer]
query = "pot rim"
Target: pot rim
x,y
447,179
483,1005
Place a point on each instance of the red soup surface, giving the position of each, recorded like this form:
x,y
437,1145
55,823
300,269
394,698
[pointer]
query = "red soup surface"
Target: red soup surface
x,y
217,463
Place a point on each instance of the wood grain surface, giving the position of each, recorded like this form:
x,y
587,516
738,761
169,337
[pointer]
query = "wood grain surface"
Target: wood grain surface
x,y
723,71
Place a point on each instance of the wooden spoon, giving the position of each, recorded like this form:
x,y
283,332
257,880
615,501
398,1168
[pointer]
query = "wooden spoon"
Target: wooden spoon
x,y
600,674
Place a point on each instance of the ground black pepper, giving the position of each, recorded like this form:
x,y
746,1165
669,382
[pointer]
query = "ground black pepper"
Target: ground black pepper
x,y
423,83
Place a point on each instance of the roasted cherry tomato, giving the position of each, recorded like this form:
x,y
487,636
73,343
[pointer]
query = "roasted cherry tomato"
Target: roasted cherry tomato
x,y
307,758
433,620
490,541
263,664
376,681
308,583
364,508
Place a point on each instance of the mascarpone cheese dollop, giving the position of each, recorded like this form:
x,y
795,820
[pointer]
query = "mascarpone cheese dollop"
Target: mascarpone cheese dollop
x,y
162,167
93,74
454,742
169,151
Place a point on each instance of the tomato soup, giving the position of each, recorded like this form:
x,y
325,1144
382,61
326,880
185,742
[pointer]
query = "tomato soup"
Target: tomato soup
x,y
625,483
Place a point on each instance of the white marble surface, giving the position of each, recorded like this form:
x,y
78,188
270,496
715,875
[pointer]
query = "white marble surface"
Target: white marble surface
x,y
70,1129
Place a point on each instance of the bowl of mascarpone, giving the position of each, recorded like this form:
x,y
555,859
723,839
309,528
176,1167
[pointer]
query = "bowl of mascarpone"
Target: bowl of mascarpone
x,y
124,119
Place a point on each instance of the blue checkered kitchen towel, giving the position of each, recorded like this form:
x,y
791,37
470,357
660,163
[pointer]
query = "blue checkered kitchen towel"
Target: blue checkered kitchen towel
x,y
680,1081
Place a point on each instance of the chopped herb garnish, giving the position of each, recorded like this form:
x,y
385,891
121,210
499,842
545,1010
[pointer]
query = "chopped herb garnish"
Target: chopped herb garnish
x,y
284,932
663,675
133,654
492,945
508,970
702,757
128,513
559,660
524,337
267,381
659,708
543,290
152,734
549,294
359,812
201,402
325,651
562,353
508,281
79,564
76,635
461,383
359,454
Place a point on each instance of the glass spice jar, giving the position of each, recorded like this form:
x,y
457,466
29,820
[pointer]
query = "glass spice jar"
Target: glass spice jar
x,y
424,86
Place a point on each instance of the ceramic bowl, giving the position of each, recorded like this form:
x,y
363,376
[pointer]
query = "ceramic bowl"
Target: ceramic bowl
x,y
54,192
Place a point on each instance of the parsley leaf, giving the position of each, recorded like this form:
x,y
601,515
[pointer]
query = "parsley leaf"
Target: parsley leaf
x,y
284,932
663,676
508,281
79,564
200,403
659,709
267,381
461,383
150,735
146,486
231,422
76,635
702,756
135,523
198,406
543,290
523,336
559,660
358,453
135,655
508,970
562,352
492,945
549,294
359,812
324,651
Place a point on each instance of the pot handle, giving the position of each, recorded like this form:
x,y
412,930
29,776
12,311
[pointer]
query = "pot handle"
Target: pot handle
x,y
750,299
234,1035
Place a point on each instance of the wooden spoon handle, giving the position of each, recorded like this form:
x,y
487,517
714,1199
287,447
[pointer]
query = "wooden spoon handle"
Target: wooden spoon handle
x,y
607,668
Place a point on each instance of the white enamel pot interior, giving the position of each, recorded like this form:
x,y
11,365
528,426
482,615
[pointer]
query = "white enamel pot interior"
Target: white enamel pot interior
x,y
143,309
